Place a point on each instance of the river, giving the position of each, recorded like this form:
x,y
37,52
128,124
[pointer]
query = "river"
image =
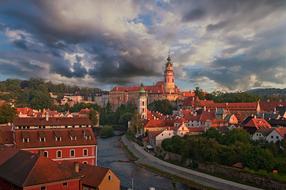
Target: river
x,y
112,155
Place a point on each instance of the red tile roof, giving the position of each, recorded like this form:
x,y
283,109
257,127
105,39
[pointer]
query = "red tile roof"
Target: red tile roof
x,y
188,94
269,106
205,115
257,123
26,169
52,121
281,131
91,175
50,136
24,110
197,129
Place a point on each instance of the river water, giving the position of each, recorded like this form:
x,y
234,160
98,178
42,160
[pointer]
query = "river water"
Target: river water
x,y
111,155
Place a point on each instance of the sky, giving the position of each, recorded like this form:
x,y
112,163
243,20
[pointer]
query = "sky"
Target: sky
x,y
214,44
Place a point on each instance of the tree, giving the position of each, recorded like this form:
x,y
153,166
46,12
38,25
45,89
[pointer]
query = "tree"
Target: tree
x,y
258,158
136,124
162,106
93,116
40,100
213,133
7,114
106,131
199,93
124,118
236,135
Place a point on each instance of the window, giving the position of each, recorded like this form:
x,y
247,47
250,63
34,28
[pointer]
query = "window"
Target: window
x,y
42,139
59,153
271,137
65,185
58,139
46,154
72,153
85,152
43,188
84,162
143,103
26,140
109,177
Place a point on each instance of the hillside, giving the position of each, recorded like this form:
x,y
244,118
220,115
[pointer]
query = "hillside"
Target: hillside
x,y
269,93
35,92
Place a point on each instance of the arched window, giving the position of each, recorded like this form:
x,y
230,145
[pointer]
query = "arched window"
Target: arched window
x,y
46,154
59,153
72,153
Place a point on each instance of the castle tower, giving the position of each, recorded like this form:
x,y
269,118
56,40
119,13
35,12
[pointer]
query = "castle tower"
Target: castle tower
x,y
142,102
169,77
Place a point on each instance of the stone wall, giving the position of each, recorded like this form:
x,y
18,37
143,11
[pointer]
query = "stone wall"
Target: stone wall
x,y
242,176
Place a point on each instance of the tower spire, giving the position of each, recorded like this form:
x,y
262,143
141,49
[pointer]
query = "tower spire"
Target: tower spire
x,y
169,56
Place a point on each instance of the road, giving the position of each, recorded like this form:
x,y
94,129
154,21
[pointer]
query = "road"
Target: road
x,y
112,155
197,177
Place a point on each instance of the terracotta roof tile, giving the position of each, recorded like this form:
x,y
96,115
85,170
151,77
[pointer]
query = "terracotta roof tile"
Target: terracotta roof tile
x,y
92,175
52,121
281,131
257,123
32,170
51,134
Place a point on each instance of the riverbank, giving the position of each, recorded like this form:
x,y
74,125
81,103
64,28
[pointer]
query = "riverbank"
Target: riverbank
x,y
112,154
198,178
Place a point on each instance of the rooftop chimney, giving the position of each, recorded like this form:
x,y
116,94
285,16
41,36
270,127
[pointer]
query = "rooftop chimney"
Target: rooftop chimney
x,y
76,167
47,116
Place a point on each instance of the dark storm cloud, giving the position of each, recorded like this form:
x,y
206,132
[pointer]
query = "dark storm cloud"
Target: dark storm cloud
x,y
194,15
69,40
40,19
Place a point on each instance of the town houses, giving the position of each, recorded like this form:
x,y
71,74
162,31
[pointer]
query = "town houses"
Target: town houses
x,y
64,148
56,138
197,116
25,170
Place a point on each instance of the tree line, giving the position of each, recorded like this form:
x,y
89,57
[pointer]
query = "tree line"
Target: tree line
x,y
227,149
34,93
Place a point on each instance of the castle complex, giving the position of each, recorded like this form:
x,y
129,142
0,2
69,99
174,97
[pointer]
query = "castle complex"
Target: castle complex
x,y
162,90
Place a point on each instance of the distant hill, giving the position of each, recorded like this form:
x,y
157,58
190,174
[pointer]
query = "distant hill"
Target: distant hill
x,y
269,93
35,92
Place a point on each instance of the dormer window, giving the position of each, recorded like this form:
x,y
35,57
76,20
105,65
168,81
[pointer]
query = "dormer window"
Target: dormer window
x,y
87,137
58,138
42,139
26,140
73,138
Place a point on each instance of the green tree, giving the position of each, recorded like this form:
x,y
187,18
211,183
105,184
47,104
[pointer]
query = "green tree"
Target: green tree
x,y
136,124
7,114
40,100
199,93
162,106
106,131
124,118
93,116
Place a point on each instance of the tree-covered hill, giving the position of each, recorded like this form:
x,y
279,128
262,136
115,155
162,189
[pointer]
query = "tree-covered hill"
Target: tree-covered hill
x,y
35,92
269,93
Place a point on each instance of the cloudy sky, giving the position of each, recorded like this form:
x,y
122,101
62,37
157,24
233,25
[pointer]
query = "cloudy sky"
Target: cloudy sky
x,y
214,44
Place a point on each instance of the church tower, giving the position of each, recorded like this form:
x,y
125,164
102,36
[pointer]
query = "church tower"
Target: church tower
x,y
169,77
142,103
